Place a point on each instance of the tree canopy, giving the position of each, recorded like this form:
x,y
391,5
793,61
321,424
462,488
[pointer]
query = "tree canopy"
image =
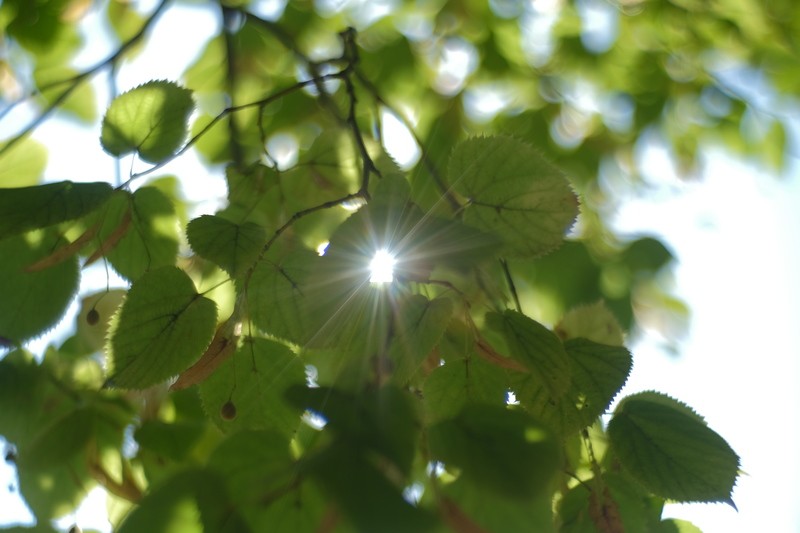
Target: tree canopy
x,y
257,374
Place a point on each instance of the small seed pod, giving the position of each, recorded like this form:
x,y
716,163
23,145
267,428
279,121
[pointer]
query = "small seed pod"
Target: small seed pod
x,y
92,317
228,410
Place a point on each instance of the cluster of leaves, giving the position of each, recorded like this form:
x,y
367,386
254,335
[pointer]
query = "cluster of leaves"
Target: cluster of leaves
x,y
269,387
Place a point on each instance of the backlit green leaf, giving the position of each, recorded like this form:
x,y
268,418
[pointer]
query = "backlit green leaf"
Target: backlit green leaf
x,y
27,208
234,247
672,453
503,450
162,327
254,380
419,324
461,381
149,231
151,119
598,372
276,294
513,191
33,301
536,347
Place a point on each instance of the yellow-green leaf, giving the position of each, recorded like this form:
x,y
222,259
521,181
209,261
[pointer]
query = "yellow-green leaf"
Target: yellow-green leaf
x,y
162,327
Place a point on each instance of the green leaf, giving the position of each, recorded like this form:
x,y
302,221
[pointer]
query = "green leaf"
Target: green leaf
x,y
612,502
514,192
671,451
192,501
57,443
171,440
489,511
33,301
495,447
254,380
80,104
27,208
384,421
162,327
536,347
21,377
275,294
419,324
56,491
254,463
149,227
151,119
23,164
234,247
462,381
598,373
363,493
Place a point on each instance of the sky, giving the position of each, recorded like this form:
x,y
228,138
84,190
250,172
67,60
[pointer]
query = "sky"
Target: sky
x,y
733,232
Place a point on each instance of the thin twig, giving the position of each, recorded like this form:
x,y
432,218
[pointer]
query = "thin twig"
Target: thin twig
x,y
351,53
313,67
511,286
75,81
227,111
424,156
230,86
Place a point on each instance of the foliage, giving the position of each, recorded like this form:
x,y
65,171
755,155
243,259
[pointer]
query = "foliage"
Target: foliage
x,y
295,394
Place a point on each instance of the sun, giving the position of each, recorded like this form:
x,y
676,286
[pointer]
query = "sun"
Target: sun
x,y
381,268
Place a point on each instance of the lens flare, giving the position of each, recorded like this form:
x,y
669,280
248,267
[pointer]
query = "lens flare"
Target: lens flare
x,y
381,268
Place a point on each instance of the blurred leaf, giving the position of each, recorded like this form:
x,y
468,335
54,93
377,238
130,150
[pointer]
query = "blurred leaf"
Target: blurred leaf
x,y
170,440
33,302
162,327
384,421
506,451
60,441
80,103
23,164
27,208
363,493
671,451
514,192
594,322
485,509
646,254
190,501
151,119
